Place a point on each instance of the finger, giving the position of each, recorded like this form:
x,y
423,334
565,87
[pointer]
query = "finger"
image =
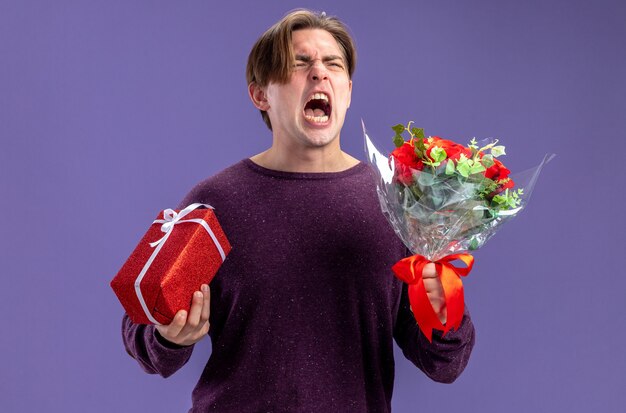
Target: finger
x,y
429,271
177,324
206,305
193,321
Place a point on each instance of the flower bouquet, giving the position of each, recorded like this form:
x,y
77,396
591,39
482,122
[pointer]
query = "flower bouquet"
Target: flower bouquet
x,y
444,200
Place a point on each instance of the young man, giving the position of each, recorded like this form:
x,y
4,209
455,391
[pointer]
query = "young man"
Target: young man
x,y
303,313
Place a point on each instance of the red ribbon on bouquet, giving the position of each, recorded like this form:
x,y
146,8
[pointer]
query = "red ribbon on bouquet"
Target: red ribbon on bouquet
x,y
409,270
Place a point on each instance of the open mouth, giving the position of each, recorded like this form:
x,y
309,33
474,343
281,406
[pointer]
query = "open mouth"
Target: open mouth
x,y
317,109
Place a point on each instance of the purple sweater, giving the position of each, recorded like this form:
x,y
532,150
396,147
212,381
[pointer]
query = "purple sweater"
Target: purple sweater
x,y
305,308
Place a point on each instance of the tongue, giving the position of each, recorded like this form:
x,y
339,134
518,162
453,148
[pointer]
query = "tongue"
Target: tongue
x,y
314,112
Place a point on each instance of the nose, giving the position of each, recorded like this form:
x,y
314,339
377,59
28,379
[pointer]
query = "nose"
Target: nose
x,y
318,71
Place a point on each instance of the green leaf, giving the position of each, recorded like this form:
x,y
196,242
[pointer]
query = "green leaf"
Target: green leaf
x,y
499,200
473,244
498,151
506,200
419,144
487,160
398,129
463,168
398,140
450,167
476,168
487,187
438,154
421,154
418,133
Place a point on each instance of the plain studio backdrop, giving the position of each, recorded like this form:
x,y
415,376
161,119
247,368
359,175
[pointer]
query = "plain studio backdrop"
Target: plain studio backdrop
x,y
112,110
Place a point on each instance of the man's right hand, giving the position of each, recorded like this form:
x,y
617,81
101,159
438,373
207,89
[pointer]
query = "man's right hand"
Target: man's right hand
x,y
186,330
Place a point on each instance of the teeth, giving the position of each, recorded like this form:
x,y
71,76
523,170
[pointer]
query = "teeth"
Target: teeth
x,y
317,115
317,119
321,96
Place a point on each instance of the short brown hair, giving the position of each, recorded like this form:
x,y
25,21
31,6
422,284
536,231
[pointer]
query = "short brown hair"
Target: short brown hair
x,y
271,57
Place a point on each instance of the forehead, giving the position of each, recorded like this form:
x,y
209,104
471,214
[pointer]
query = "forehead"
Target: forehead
x,y
313,42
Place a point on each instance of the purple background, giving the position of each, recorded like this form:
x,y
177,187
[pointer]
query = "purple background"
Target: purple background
x,y
112,110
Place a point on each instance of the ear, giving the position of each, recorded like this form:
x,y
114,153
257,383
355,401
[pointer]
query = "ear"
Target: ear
x,y
258,97
349,94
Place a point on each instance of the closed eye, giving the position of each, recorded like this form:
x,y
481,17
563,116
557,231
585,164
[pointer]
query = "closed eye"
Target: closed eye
x,y
302,61
334,63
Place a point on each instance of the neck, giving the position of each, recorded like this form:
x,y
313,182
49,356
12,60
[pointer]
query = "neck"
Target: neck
x,y
327,158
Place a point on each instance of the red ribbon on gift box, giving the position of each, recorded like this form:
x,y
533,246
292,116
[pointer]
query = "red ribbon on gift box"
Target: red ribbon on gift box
x,y
410,269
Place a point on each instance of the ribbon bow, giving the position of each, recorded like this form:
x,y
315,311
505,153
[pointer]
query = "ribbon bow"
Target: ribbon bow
x,y
171,218
410,270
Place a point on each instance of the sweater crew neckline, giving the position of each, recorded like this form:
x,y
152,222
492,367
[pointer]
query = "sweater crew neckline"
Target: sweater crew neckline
x,y
303,175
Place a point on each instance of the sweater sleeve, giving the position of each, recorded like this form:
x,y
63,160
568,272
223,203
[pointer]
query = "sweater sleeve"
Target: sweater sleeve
x,y
154,354
445,358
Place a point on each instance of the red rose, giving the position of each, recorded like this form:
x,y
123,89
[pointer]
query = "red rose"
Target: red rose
x,y
403,174
405,161
453,150
405,154
500,174
497,171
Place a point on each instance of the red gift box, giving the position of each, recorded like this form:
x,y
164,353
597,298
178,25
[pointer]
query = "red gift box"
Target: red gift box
x,y
180,252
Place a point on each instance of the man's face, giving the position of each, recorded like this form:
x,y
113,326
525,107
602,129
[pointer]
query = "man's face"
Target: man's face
x,y
309,110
